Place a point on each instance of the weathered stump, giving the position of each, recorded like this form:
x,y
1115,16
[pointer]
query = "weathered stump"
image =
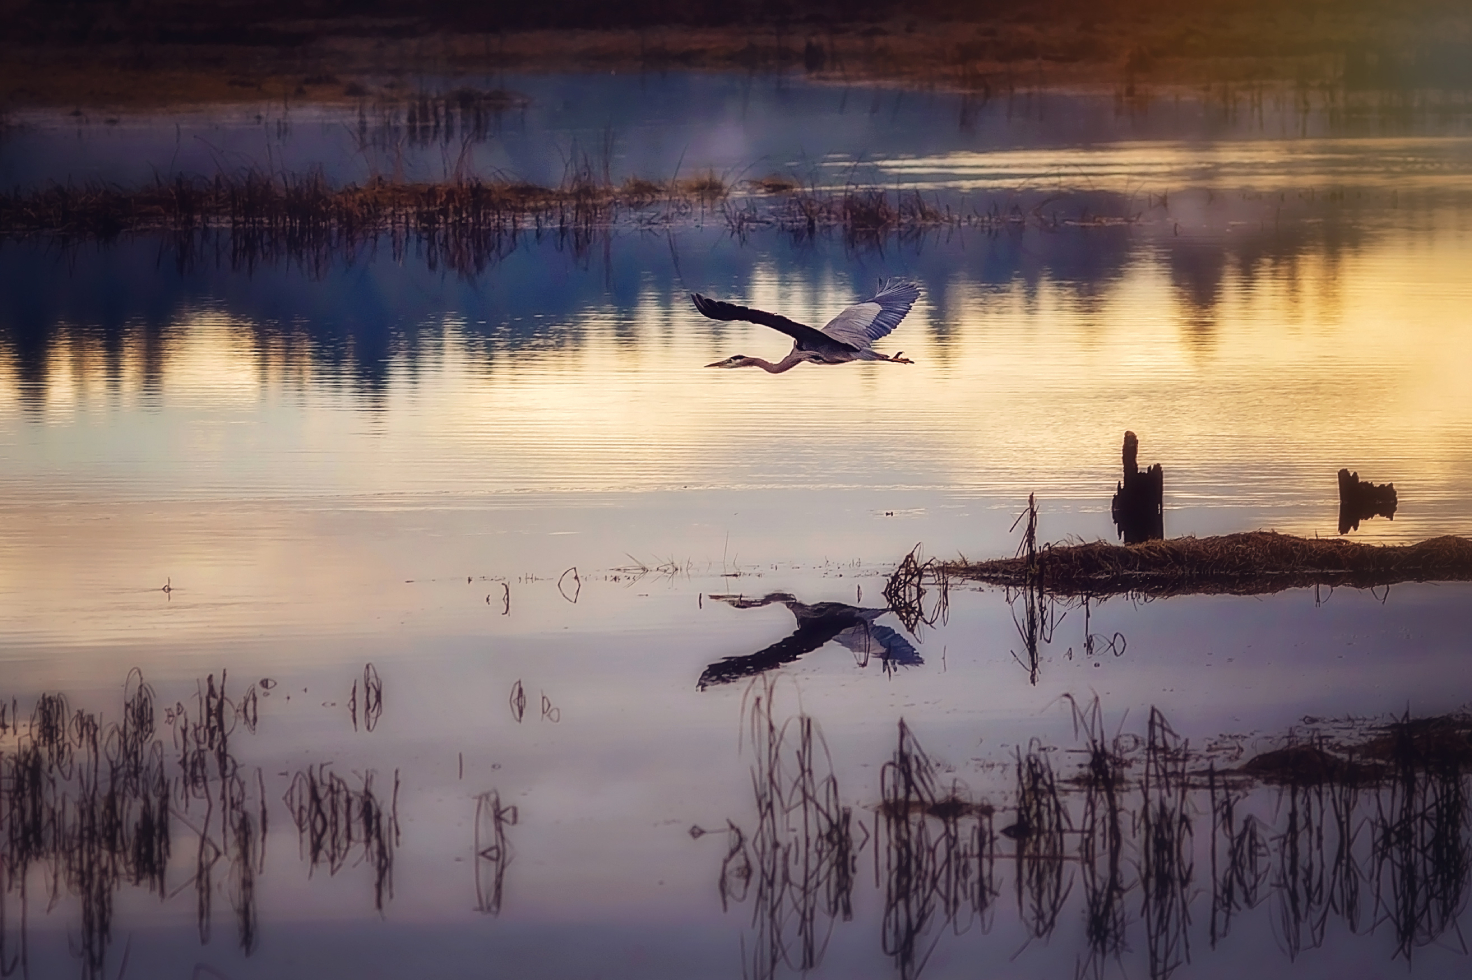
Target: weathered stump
x,y
1360,500
1138,507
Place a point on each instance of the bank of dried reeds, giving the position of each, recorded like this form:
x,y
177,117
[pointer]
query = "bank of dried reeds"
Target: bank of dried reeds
x,y
1250,563
305,205
305,212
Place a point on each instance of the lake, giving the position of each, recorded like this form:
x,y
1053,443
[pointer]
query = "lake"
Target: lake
x,y
367,612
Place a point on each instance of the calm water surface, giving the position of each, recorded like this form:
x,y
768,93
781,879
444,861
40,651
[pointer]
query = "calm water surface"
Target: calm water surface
x,y
456,559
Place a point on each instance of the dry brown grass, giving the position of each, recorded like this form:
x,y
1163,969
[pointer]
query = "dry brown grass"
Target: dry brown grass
x,y
639,191
706,187
299,204
774,184
307,205
1250,563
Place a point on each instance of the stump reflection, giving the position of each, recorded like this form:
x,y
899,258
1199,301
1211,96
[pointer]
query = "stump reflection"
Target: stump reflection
x,y
1360,500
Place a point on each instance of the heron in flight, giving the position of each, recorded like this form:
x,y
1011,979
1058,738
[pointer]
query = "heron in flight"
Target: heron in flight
x,y
847,337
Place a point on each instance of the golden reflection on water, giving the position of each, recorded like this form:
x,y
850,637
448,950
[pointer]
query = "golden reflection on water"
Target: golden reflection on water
x,y
232,456
1132,168
1280,372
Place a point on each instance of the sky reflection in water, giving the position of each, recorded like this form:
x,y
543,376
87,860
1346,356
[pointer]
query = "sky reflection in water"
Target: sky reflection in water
x,y
374,462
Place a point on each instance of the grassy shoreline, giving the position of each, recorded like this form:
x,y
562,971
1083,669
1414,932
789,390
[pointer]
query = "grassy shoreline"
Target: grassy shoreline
x,y
1250,563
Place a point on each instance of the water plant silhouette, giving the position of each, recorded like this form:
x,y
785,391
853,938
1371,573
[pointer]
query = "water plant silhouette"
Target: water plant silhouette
x,y
372,699
492,851
1311,833
88,807
798,863
938,857
334,821
905,591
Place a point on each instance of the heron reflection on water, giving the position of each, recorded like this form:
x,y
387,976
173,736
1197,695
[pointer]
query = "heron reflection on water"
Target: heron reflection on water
x,y
851,626
847,337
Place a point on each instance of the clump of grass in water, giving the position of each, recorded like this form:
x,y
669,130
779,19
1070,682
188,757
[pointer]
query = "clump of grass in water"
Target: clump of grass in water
x,y
774,184
906,591
1101,835
97,806
1167,869
492,851
706,188
1248,563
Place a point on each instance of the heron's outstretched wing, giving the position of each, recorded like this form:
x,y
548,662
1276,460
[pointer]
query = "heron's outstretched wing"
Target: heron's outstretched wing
x,y
807,338
863,323
868,639
804,639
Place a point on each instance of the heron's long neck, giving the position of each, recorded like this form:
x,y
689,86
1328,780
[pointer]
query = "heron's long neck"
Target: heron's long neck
x,y
787,363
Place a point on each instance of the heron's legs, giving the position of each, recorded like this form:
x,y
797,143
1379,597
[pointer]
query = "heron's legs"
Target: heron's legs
x,y
899,358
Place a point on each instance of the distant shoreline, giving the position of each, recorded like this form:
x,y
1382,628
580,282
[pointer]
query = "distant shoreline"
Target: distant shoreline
x,y
341,64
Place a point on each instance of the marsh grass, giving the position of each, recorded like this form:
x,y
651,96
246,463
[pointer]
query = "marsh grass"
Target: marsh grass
x,y
304,205
1250,563
906,591
774,183
465,222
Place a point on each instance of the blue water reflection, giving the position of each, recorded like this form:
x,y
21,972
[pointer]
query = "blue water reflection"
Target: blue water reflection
x,y
660,124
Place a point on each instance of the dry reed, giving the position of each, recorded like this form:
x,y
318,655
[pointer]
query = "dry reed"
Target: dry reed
x,y
1249,563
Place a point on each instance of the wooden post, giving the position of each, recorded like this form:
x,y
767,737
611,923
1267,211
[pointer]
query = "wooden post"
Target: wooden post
x,y
1138,507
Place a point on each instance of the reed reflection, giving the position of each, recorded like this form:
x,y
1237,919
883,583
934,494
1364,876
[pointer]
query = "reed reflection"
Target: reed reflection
x,y
463,118
939,857
88,807
1372,829
797,862
492,850
852,627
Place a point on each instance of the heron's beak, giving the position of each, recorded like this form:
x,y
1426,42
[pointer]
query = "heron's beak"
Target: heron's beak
x,y
725,364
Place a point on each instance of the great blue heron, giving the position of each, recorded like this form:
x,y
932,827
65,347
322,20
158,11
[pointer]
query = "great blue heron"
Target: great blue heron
x,y
853,627
847,337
